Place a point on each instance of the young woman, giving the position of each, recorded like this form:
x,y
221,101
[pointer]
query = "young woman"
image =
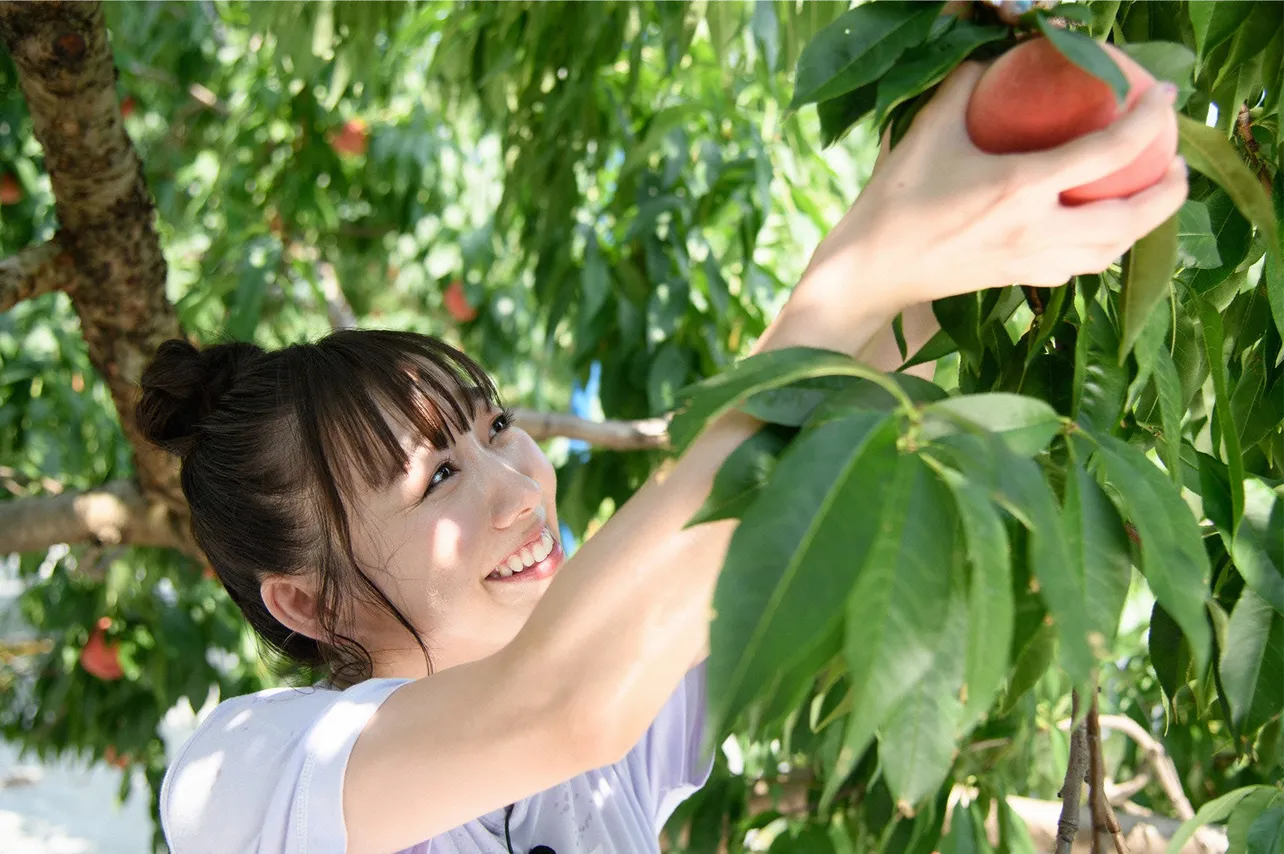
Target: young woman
x,y
374,512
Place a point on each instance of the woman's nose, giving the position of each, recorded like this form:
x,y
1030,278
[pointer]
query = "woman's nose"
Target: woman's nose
x,y
516,496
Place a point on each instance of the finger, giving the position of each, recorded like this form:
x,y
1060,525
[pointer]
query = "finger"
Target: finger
x,y
1122,222
1098,154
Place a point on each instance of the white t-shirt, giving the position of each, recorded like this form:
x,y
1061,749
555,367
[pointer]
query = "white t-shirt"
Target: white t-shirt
x,y
263,774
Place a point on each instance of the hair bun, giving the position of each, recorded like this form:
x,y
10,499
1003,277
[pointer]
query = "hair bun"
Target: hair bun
x,y
183,385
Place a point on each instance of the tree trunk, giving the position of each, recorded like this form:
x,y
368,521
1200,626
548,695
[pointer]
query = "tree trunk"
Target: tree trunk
x,y
111,263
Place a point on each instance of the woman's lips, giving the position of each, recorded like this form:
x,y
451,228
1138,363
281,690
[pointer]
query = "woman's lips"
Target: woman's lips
x,y
544,569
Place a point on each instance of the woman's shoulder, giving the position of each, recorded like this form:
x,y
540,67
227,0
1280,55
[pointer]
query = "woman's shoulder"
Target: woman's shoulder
x,y
250,746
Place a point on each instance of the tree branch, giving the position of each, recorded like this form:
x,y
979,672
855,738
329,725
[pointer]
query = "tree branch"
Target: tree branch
x,y
113,514
1253,151
34,271
645,434
1076,769
1103,816
67,76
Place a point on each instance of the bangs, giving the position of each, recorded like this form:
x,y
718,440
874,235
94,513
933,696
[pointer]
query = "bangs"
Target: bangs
x,y
360,383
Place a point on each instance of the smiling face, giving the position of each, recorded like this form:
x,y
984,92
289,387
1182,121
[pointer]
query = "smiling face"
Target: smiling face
x,y
437,538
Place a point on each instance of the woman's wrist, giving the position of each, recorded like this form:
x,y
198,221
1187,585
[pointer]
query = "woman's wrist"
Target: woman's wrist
x,y
827,310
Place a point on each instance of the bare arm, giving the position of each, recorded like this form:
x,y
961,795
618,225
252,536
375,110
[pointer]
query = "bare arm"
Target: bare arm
x,y
919,324
629,613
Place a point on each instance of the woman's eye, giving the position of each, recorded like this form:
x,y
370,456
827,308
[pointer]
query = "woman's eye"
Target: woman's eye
x,y
501,423
440,476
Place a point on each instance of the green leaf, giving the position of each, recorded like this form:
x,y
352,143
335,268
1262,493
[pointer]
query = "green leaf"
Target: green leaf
x,y
742,475
1084,52
1156,365
1273,271
1172,553
1169,652
794,558
1258,543
711,398
1218,23
859,47
1218,809
926,65
1196,244
1266,833
1017,484
838,114
793,404
1025,424
940,344
1099,544
669,371
1252,665
967,831
1014,836
1214,346
1250,38
1209,152
1100,383
1246,815
1233,235
1165,61
898,605
990,611
1147,275
916,742
1026,495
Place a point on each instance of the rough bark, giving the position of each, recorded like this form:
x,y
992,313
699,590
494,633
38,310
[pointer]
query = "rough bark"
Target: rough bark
x,y
114,514
105,210
34,271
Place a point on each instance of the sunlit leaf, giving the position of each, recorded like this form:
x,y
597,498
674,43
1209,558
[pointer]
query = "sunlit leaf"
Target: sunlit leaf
x,y
1252,665
1207,151
859,47
742,476
1147,274
1259,542
898,605
1172,555
794,564
1084,52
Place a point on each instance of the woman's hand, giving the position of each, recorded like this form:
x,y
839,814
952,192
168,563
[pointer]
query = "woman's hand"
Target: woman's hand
x,y
940,217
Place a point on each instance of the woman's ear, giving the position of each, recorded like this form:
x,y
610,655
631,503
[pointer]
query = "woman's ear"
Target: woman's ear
x,y
293,600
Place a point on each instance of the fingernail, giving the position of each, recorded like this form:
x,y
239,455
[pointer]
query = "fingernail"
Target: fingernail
x,y
1170,91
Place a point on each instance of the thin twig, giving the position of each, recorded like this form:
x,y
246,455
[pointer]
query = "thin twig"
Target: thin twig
x,y
1076,769
1244,127
1103,816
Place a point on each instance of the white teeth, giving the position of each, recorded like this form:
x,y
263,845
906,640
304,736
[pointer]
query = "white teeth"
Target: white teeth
x,y
527,557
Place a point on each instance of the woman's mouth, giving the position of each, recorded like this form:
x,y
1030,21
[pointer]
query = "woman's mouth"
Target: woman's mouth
x,y
533,563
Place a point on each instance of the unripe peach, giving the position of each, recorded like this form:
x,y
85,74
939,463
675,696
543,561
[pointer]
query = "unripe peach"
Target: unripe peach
x,y
1032,98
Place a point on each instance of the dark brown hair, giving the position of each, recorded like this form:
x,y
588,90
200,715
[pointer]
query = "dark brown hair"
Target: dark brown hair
x,y
272,447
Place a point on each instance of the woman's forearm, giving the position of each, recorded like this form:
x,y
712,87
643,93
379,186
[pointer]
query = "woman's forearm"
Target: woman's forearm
x,y
918,323
629,614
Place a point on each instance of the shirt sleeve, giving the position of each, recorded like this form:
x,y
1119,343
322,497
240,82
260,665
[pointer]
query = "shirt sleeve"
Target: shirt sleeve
x,y
670,749
264,773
